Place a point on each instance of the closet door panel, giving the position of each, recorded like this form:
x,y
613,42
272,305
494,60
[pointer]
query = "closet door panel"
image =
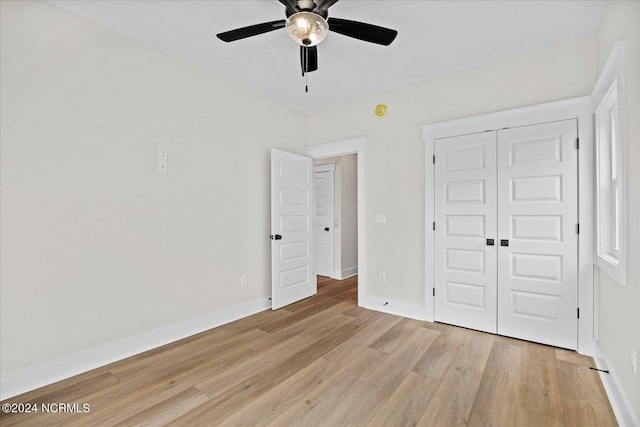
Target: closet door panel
x,y
537,215
465,200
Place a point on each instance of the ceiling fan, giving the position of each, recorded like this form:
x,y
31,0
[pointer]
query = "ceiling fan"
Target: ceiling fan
x,y
308,24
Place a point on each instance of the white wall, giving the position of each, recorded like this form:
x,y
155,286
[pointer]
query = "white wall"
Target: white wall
x,y
96,246
349,213
619,306
395,150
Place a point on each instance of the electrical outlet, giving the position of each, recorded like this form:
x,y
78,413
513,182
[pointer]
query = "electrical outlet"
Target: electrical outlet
x,y
243,281
382,276
634,360
163,153
381,218
162,166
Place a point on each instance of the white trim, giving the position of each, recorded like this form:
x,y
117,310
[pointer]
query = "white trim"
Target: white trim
x,y
398,308
326,167
620,403
580,108
612,78
349,272
28,379
615,63
343,148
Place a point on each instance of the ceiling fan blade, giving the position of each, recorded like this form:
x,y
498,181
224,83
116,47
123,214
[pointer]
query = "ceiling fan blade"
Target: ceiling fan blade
x,y
324,5
308,59
252,30
362,31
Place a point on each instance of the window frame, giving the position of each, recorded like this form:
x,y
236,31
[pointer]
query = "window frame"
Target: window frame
x,y
610,156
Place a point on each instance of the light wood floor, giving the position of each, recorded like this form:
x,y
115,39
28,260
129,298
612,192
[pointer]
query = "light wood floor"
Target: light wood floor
x,y
325,361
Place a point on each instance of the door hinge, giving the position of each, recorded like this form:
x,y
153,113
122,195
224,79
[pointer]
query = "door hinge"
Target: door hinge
x,y
434,159
578,228
434,226
578,312
434,292
577,143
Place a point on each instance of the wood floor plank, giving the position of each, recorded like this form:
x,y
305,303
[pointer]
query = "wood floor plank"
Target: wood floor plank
x,y
540,387
573,357
583,403
162,365
168,410
310,325
453,399
392,339
326,361
406,405
71,393
265,408
270,358
498,397
224,404
435,362
363,398
355,311
380,323
126,399
474,350
314,405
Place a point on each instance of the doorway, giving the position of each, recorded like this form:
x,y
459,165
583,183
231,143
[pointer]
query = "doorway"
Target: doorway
x,y
337,217
356,147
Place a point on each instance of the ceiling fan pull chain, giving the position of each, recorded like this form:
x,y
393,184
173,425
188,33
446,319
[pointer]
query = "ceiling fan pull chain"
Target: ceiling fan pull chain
x,y
306,82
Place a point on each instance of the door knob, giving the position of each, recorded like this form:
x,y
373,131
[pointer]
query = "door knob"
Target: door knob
x,y
504,242
276,237
490,242
326,229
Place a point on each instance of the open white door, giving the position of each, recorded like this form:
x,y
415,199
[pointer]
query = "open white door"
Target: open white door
x,y
292,210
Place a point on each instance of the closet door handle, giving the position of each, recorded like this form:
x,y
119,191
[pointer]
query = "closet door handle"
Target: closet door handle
x,y
490,242
504,242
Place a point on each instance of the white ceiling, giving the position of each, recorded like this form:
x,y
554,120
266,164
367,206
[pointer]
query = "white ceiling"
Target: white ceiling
x,y
434,38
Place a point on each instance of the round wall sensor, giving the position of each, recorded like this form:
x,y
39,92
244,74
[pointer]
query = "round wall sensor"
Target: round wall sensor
x,y
381,109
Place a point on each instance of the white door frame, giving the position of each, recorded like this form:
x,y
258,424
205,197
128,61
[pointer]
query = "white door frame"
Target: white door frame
x,y
580,108
343,148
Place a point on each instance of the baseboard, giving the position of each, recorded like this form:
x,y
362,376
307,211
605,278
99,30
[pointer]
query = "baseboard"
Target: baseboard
x,y
403,309
620,403
23,381
349,272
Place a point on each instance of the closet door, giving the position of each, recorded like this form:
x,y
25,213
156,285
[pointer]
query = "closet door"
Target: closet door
x,y
465,201
537,218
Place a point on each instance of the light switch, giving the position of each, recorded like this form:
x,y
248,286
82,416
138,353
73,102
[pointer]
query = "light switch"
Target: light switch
x,y
381,218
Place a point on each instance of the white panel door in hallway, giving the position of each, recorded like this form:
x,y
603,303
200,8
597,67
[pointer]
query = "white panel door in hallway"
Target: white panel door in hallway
x,y
506,232
324,228
292,210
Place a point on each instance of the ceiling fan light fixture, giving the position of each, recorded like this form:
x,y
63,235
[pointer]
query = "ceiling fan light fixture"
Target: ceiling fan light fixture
x,y
307,28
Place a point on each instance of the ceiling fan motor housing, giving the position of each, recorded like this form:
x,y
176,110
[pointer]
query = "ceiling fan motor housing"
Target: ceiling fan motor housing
x,y
307,28
306,4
